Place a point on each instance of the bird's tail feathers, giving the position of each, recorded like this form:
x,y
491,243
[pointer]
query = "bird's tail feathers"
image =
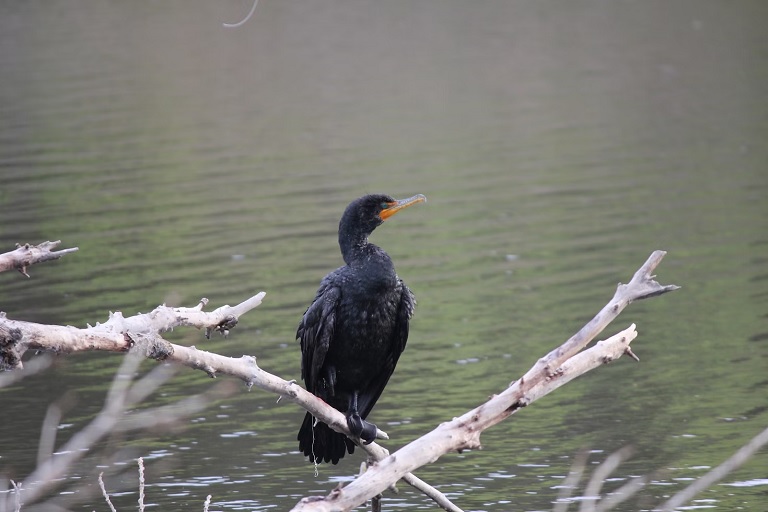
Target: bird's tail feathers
x,y
322,444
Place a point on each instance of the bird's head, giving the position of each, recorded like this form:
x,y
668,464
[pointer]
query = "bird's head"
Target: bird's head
x,y
368,212
365,214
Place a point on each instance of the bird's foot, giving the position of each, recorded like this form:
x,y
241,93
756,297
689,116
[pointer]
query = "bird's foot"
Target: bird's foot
x,y
358,427
356,424
368,435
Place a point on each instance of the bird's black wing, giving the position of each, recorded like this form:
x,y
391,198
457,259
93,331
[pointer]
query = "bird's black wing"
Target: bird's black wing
x,y
405,309
316,330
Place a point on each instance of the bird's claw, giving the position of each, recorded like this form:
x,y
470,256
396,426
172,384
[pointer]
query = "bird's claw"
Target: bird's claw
x,y
368,435
355,424
358,427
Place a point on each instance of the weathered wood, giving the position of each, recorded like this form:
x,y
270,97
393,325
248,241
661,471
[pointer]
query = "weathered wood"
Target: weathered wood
x,y
140,333
27,255
120,334
555,369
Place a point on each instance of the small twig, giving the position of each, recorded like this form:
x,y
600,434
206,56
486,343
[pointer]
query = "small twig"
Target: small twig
x,y
632,354
438,497
17,495
26,255
141,484
244,20
104,492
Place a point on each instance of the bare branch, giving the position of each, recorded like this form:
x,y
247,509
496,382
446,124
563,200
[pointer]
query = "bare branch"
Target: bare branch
x,y
461,433
138,333
119,334
641,286
438,497
17,337
141,484
550,372
104,492
26,255
164,318
17,495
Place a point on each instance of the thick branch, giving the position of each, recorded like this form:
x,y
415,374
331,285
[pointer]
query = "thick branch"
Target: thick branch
x,y
164,318
641,286
119,334
554,370
26,255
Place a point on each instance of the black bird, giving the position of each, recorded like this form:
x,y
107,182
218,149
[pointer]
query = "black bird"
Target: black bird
x,y
355,330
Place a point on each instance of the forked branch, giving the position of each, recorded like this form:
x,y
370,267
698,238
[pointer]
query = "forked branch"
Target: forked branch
x,y
552,371
119,334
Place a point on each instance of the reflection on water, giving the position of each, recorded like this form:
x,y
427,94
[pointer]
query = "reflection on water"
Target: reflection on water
x,y
559,145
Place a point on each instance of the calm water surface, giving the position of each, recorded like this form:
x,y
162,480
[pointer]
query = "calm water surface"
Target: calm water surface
x,y
558,144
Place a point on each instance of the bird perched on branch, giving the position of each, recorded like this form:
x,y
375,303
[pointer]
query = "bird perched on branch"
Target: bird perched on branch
x,y
355,330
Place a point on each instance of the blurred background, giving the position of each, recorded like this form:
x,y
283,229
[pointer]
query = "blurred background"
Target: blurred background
x,y
558,143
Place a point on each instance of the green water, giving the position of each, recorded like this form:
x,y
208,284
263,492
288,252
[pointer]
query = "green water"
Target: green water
x,y
559,144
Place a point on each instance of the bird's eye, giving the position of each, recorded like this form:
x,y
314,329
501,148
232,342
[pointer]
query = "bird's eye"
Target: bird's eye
x,y
384,206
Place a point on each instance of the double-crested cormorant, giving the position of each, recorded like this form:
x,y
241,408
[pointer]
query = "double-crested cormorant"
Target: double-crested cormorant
x,y
355,330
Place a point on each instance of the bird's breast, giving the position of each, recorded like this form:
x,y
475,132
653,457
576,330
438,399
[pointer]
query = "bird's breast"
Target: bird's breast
x,y
366,324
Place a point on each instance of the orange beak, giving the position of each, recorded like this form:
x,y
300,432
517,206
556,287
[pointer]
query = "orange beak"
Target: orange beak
x,y
395,206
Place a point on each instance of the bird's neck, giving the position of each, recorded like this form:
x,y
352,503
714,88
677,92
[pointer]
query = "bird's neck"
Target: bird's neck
x,y
352,241
354,247
357,251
